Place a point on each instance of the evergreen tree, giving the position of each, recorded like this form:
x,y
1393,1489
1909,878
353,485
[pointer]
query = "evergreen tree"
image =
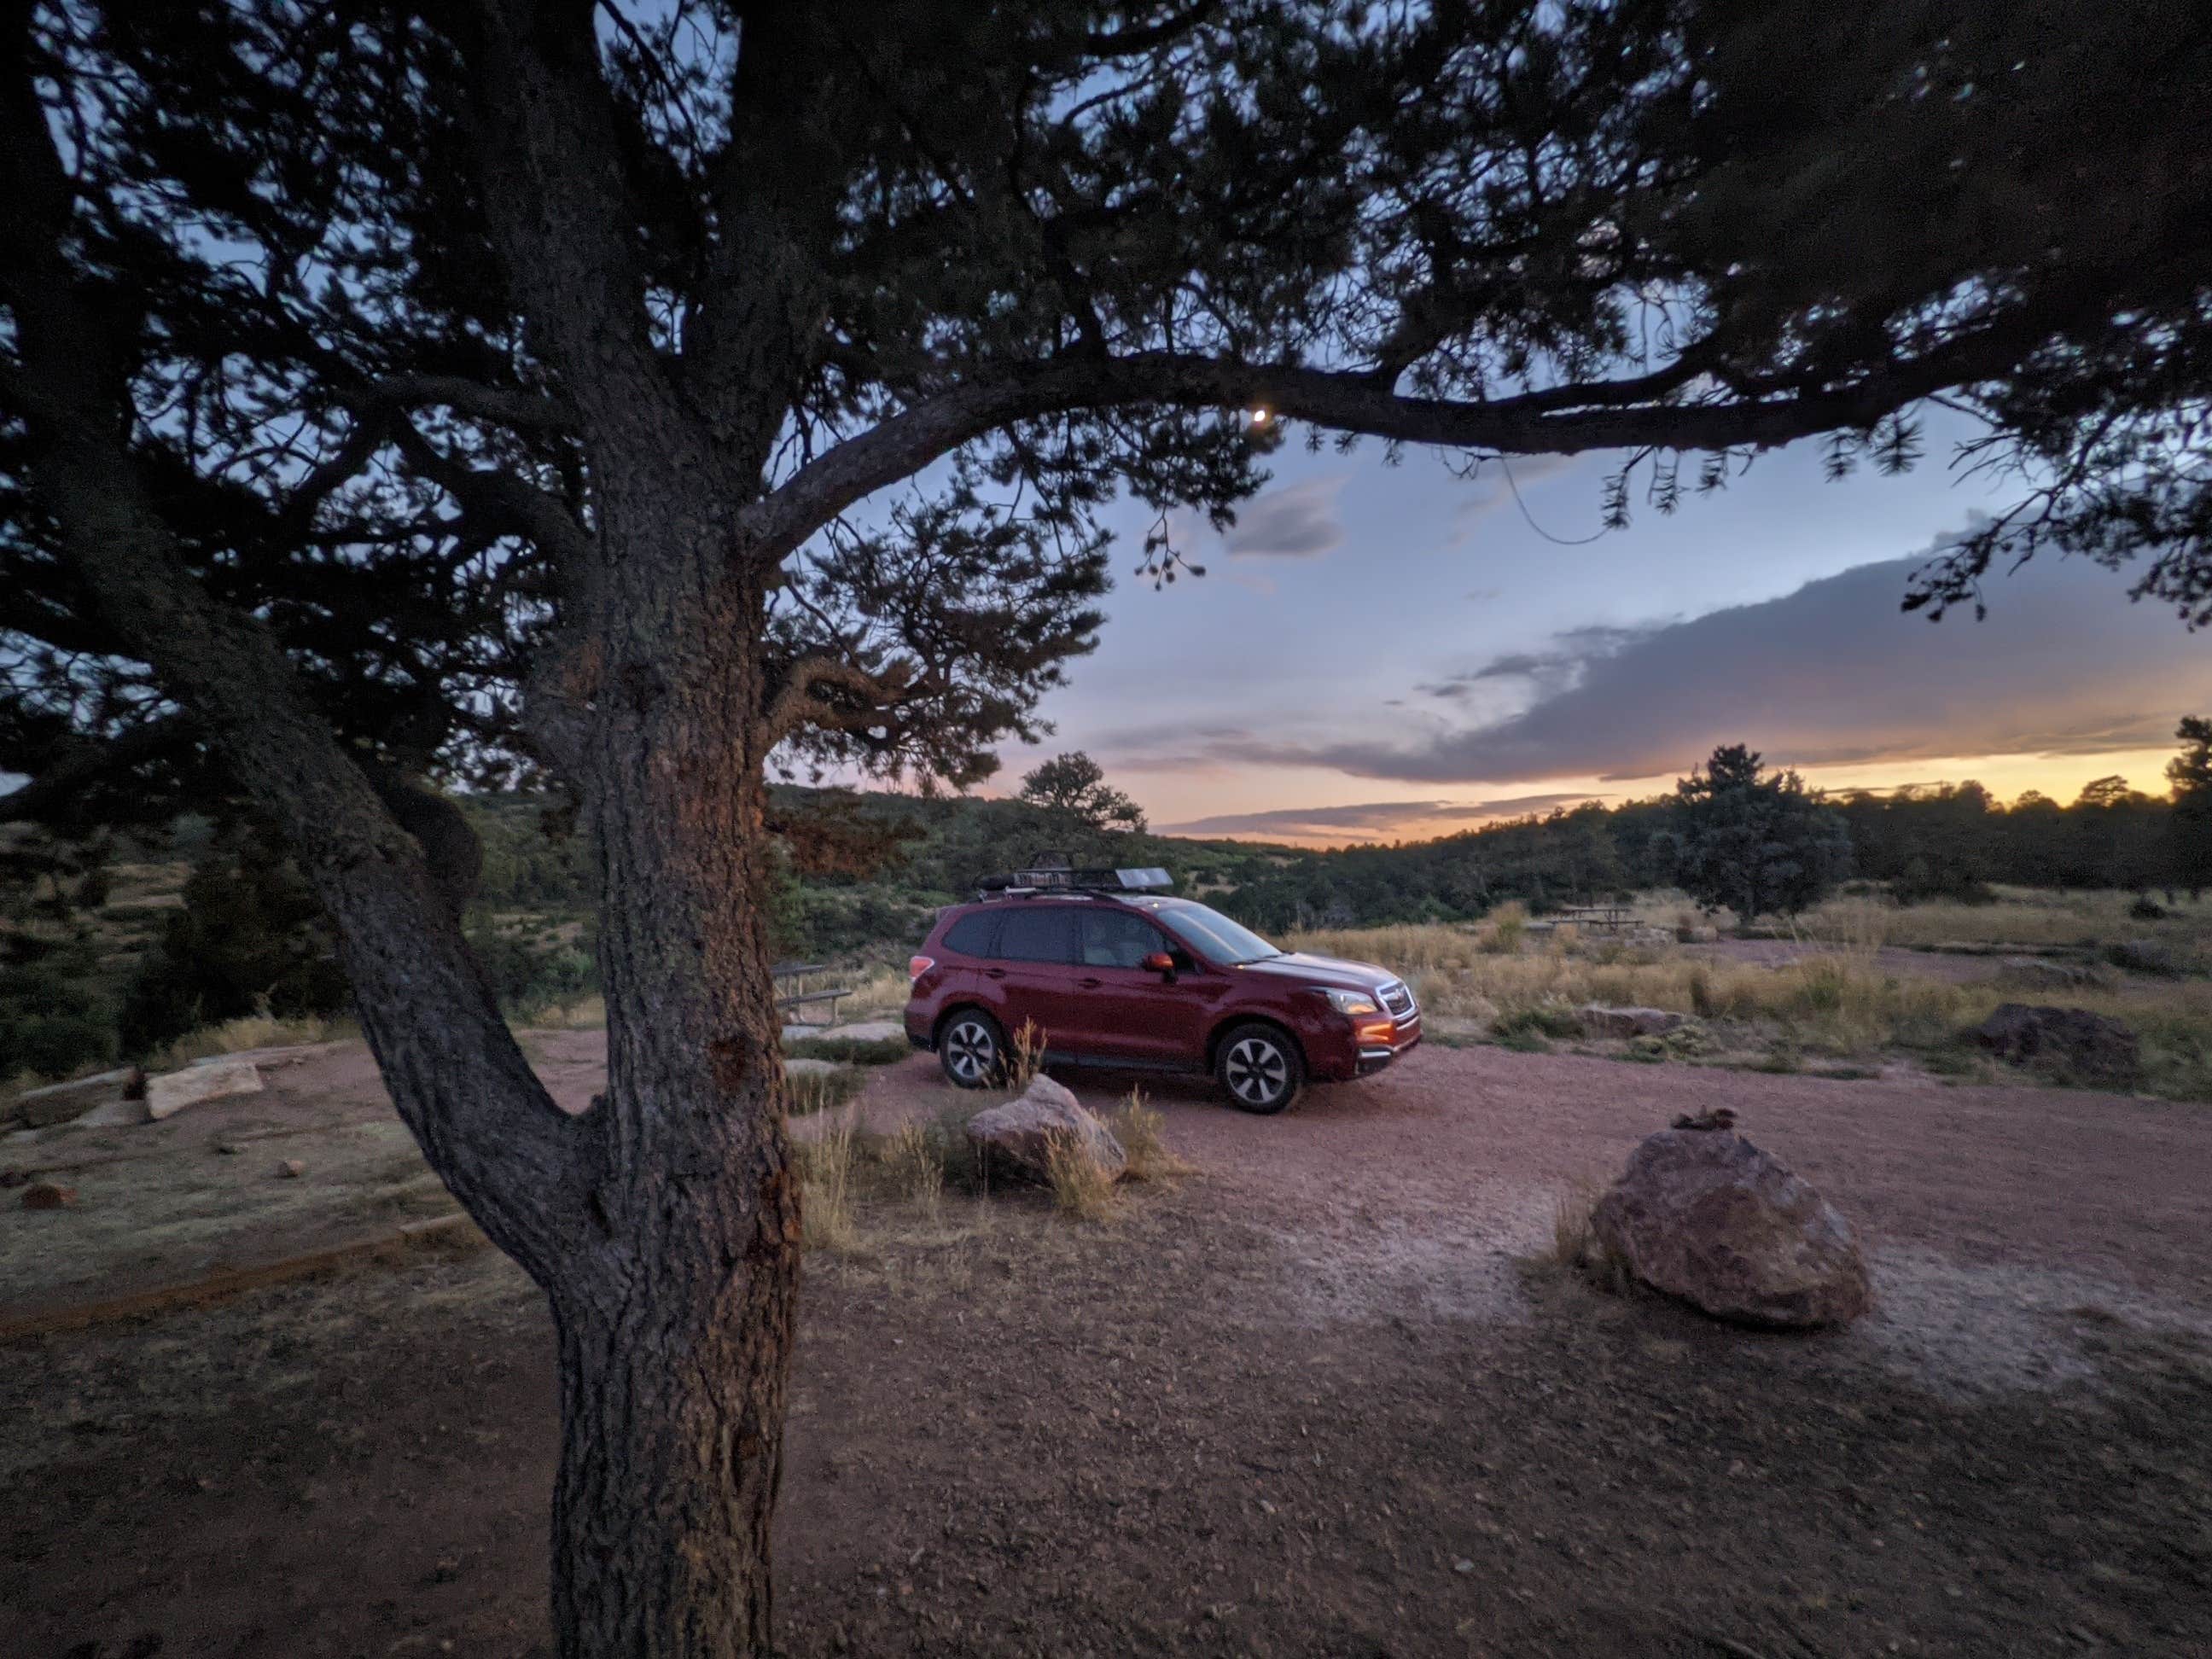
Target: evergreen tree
x,y
1752,840
2190,827
1086,816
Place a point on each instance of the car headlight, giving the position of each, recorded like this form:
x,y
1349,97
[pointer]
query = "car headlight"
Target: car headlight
x,y
1350,1003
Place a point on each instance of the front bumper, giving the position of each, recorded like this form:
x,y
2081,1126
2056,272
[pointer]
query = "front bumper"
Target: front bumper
x,y
1374,1057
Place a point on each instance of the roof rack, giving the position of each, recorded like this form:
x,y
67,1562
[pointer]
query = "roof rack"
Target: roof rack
x,y
1055,875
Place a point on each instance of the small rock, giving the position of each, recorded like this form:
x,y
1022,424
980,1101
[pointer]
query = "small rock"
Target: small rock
x,y
228,1148
1718,1118
1018,1135
2071,1044
45,1195
1703,1215
292,1167
1600,1021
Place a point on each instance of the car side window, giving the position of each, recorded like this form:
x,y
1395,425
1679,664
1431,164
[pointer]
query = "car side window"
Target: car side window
x,y
1036,933
971,935
1115,938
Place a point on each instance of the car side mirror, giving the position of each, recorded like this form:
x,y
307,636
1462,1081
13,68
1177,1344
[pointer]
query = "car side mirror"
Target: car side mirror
x,y
1159,961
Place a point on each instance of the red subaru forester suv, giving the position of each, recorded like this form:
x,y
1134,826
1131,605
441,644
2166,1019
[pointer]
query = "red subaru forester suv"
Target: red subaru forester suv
x,y
1113,977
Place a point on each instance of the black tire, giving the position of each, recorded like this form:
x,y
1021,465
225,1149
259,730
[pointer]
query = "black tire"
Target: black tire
x,y
1260,1068
971,1049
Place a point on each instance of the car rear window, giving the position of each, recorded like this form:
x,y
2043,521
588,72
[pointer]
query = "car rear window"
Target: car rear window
x,y
1115,938
1037,934
971,935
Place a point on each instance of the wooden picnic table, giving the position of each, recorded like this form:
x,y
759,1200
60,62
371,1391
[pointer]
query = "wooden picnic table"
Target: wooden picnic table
x,y
1610,916
793,974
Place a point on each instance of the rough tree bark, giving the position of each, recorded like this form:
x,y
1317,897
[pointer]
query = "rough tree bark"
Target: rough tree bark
x,y
675,1330
663,1223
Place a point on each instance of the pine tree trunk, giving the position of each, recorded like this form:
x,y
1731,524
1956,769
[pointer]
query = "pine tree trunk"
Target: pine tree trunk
x,y
671,1427
675,1331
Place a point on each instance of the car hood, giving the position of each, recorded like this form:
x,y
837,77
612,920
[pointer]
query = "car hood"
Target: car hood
x,y
1332,971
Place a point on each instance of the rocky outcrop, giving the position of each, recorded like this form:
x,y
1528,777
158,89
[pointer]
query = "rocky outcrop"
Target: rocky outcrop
x,y
61,1103
2070,1044
1600,1021
1016,1138
217,1079
1703,1215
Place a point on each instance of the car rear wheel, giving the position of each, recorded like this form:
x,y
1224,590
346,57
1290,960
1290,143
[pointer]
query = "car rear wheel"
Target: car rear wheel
x,y
1260,1067
971,1049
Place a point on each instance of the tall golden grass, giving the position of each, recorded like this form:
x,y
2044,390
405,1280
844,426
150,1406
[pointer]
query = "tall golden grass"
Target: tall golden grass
x,y
1840,998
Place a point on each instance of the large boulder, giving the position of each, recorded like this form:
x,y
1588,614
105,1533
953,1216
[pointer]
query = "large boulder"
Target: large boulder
x,y
1601,1021
2071,1043
1703,1214
1017,1137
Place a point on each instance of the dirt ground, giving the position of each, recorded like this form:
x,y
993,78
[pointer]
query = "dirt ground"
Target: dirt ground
x,y
1316,1399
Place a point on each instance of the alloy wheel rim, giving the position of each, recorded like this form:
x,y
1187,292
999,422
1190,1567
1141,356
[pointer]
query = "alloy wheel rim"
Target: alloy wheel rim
x,y
1257,1071
968,1045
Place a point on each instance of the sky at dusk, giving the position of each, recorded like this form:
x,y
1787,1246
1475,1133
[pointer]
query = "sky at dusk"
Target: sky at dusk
x,y
1381,652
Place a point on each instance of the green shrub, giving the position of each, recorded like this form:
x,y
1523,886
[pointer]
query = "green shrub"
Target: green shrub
x,y
252,937
850,1051
531,973
1543,1020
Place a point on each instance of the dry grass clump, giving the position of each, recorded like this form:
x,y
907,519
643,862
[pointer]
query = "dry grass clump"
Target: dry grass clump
x,y
1836,1002
809,1091
2019,916
826,1168
1504,930
586,1014
1024,1057
880,994
1082,1186
913,1162
235,1037
1138,1127
1575,1246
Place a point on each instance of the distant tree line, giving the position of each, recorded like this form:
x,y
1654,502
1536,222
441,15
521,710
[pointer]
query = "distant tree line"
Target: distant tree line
x,y
1919,843
856,871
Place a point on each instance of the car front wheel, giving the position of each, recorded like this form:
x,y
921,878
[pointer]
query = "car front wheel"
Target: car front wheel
x,y
1260,1067
971,1049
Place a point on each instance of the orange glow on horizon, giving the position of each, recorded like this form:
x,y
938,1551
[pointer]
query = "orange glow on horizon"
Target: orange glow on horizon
x,y
1185,799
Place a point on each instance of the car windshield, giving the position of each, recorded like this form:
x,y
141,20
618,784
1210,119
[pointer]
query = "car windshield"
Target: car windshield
x,y
1217,939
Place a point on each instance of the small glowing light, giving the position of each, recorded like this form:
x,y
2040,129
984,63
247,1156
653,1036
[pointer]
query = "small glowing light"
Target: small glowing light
x,y
1260,415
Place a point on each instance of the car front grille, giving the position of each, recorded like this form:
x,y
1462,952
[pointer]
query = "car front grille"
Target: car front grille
x,y
1397,999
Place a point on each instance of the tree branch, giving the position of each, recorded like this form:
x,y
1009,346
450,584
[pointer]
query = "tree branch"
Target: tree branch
x,y
795,705
529,510
81,765
455,1070
1554,421
510,406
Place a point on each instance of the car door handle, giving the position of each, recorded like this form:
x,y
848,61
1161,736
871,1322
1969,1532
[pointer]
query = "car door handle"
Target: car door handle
x,y
1090,984
994,973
